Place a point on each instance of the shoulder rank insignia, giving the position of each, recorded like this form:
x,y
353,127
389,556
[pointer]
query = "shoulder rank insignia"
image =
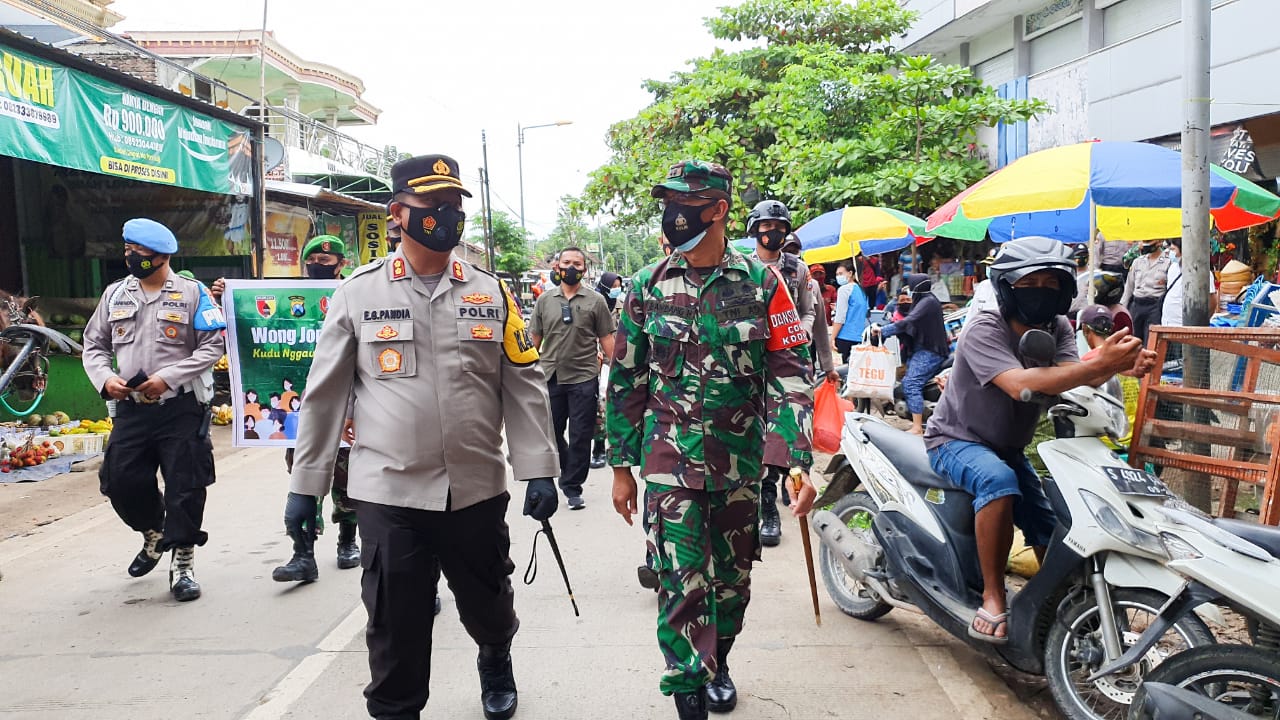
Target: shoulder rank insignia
x,y
457,271
477,299
387,333
398,270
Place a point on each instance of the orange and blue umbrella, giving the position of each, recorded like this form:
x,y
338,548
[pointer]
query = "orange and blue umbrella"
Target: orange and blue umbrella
x,y
1132,190
842,234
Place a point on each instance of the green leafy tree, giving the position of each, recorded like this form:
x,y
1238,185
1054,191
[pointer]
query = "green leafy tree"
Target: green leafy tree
x,y
510,244
625,249
822,113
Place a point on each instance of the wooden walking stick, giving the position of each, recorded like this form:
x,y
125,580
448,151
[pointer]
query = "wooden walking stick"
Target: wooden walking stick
x,y
797,482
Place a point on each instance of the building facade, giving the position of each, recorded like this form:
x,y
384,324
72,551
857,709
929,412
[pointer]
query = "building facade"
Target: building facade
x,y
1112,70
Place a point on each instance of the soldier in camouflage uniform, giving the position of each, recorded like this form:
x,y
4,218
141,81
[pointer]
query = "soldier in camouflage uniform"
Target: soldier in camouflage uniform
x,y
710,380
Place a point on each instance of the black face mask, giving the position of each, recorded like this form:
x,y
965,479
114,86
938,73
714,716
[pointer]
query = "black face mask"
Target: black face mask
x,y
316,271
1035,306
683,225
772,239
904,308
141,266
438,229
570,275
555,276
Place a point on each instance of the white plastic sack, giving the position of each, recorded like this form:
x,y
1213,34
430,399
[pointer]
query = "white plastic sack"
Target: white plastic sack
x,y
872,373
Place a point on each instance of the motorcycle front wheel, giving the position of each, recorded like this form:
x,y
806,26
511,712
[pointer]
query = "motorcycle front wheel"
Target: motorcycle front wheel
x,y
857,511
1242,677
1074,650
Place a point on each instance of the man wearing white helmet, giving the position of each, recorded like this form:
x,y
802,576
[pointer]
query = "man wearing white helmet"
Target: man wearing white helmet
x,y
980,429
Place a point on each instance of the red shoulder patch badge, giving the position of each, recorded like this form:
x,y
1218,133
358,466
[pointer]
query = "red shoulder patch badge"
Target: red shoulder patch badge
x,y
785,328
398,269
457,271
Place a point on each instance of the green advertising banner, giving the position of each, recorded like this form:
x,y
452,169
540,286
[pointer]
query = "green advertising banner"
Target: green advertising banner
x,y
53,114
272,327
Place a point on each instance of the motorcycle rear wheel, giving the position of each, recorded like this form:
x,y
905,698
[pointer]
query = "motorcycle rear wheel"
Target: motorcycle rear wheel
x,y
1242,677
1077,632
857,511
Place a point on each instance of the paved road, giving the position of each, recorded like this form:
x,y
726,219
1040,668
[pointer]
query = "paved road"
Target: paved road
x,y
81,640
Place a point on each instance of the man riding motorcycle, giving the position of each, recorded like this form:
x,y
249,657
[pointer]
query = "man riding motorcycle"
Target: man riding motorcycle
x,y
984,421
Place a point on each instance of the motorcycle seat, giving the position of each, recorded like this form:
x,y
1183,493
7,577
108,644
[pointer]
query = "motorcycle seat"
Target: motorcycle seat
x,y
907,453
1266,537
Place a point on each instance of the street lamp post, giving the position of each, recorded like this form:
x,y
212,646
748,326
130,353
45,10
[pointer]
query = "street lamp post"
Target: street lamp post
x,y
520,155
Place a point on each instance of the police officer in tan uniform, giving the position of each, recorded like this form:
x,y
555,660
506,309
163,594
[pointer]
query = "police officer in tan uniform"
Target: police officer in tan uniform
x,y
163,333
438,359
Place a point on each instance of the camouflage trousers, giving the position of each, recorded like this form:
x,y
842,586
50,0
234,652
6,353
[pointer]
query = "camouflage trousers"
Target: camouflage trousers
x,y
702,544
344,511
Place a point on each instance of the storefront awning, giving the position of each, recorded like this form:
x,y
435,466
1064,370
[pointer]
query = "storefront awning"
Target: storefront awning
x,y
319,198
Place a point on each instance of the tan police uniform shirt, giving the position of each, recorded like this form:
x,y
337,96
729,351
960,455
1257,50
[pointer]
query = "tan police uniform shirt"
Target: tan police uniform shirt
x,y
435,376
152,334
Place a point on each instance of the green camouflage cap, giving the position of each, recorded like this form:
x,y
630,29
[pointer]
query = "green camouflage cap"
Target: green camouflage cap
x,y
330,244
694,176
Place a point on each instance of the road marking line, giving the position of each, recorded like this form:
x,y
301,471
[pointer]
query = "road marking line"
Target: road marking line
x,y
278,700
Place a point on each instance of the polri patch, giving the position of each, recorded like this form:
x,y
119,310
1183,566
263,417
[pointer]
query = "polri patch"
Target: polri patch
x,y
389,360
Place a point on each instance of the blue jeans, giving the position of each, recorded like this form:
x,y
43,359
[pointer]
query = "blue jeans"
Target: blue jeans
x,y
922,366
988,475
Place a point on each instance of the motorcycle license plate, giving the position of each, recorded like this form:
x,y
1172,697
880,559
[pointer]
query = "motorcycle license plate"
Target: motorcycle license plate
x,y
1136,482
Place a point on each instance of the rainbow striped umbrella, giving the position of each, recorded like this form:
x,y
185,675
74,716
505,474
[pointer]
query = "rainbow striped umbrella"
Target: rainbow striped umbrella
x,y
1127,190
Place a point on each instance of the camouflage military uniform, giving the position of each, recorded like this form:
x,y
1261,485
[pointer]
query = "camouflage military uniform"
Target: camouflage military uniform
x,y
710,380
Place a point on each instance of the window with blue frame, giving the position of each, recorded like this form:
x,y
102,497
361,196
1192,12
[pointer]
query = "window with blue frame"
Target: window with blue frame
x,y
1012,137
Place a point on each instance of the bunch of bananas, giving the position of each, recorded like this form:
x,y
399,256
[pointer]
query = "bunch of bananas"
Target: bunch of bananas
x,y
222,414
222,365
96,427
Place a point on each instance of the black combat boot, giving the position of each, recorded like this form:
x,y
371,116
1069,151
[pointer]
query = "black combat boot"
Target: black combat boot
x,y
691,705
722,696
302,566
182,574
497,681
598,459
348,550
770,523
149,556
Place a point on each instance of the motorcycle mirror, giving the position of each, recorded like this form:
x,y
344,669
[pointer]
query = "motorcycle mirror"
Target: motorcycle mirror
x,y
1038,346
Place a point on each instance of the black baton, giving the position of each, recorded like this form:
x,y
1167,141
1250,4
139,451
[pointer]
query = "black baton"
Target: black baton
x,y
532,571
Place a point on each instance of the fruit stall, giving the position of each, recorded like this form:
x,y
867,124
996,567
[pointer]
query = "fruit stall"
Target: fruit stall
x,y
39,446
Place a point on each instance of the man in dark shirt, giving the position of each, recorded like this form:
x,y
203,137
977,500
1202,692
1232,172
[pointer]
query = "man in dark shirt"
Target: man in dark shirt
x,y
928,344
981,427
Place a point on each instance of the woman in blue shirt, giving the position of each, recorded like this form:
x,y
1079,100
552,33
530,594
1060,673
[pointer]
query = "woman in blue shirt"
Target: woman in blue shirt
x,y
851,312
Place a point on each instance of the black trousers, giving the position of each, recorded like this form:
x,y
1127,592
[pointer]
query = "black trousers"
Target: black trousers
x,y
1146,312
174,438
573,406
846,348
404,551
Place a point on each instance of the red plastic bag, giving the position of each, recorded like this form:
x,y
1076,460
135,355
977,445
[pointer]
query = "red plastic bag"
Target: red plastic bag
x,y
828,417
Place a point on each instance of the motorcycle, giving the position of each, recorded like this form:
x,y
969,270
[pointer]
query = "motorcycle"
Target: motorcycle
x,y
25,346
899,536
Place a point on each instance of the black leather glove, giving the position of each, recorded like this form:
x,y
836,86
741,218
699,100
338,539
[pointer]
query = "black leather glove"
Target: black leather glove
x,y
300,513
540,499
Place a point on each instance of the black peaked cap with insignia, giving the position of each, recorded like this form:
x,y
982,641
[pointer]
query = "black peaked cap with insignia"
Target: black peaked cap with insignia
x,y
425,173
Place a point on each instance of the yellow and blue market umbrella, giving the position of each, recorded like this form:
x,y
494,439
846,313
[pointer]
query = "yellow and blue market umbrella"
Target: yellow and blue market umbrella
x,y
842,234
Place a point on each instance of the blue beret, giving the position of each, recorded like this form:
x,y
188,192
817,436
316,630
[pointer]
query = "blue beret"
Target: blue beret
x,y
151,235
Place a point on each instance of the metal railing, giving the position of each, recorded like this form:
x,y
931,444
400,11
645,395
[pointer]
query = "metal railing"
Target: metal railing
x,y
297,130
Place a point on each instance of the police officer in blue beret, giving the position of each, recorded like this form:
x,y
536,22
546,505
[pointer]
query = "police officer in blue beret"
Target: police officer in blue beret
x,y
149,349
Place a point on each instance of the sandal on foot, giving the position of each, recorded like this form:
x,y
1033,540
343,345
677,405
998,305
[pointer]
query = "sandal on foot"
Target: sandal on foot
x,y
995,621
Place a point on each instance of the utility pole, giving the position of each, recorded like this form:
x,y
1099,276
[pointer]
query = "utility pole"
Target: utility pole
x,y
486,201
1196,22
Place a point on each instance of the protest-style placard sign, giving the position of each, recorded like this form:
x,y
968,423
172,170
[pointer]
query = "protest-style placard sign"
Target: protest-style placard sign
x,y
272,327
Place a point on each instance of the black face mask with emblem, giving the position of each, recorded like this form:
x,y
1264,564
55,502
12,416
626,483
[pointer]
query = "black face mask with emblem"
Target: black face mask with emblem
x,y
438,229
141,266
